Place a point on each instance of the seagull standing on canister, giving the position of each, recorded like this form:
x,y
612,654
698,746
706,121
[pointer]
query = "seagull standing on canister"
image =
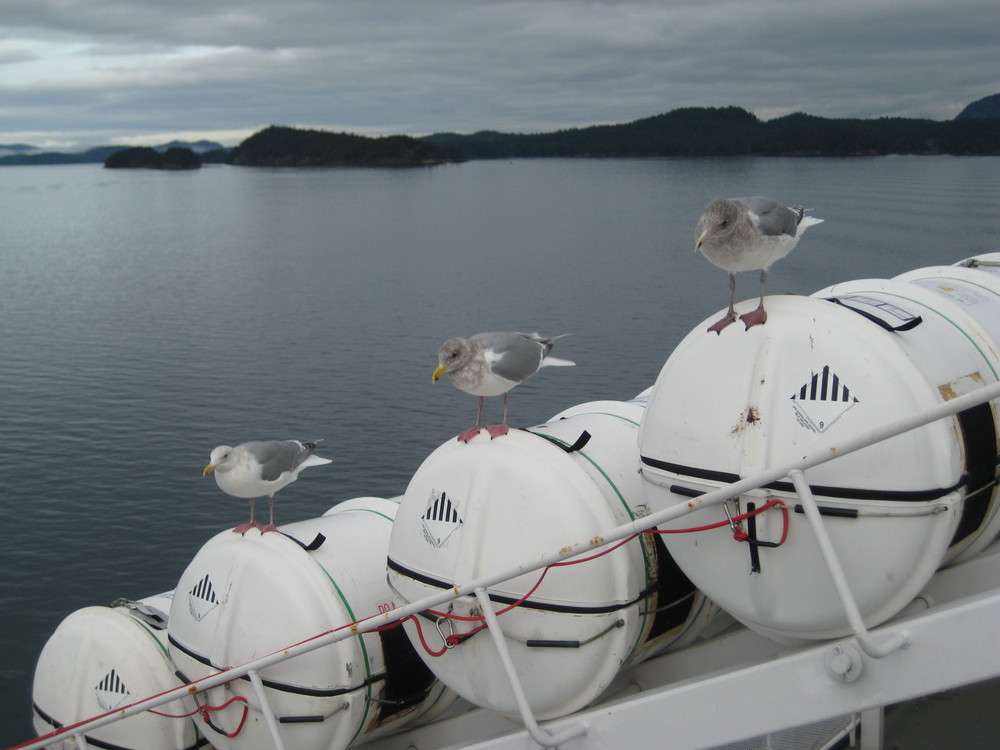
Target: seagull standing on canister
x,y
489,364
746,234
259,468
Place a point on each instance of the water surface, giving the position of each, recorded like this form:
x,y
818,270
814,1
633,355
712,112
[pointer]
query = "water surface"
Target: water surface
x,y
149,316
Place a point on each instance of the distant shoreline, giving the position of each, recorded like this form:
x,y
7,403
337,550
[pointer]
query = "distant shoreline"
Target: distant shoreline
x,y
696,131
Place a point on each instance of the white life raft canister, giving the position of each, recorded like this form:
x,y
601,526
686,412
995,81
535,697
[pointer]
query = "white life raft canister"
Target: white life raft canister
x,y
101,659
245,597
825,368
486,506
971,292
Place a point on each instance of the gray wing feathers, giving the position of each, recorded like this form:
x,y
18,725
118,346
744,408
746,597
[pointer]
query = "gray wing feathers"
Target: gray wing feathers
x,y
517,355
773,218
278,456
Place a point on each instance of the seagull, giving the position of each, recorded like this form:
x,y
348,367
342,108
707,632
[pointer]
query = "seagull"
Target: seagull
x,y
489,364
744,234
260,468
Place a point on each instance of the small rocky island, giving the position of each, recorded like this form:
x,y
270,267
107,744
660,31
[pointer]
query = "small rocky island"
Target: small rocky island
x,y
144,157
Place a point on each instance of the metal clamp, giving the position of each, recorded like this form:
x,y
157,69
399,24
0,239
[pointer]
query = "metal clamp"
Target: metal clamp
x,y
449,639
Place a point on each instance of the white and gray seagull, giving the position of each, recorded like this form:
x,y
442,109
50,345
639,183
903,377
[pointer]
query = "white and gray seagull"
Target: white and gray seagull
x,y
489,364
259,468
746,234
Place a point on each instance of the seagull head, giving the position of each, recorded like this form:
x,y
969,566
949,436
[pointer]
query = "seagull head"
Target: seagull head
x,y
218,457
717,222
453,353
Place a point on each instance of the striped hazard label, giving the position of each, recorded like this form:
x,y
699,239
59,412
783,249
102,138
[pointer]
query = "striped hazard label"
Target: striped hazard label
x,y
440,520
110,692
822,400
202,599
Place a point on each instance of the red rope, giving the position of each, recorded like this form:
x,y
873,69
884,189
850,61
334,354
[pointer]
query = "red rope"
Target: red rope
x,y
204,711
738,534
423,641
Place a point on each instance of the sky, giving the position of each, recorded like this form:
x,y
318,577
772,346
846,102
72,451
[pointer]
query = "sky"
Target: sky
x,y
75,73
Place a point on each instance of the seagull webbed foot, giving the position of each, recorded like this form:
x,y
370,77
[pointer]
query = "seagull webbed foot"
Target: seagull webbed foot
x,y
497,430
725,320
243,528
469,433
754,318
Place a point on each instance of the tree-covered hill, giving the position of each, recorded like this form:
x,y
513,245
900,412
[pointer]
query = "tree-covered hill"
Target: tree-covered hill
x,y
732,131
987,107
279,146
143,157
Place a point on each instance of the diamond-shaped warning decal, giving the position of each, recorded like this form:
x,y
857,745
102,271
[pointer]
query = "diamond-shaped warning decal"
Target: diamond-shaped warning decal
x,y
201,599
822,400
110,692
440,520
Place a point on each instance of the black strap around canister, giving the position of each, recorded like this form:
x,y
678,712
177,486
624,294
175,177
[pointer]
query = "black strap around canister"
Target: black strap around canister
x,y
314,545
579,445
910,324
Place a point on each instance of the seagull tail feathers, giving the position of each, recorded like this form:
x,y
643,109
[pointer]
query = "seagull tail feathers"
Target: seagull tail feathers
x,y
807,221
315,461
556,362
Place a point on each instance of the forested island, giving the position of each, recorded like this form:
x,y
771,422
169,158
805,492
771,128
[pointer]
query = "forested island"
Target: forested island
x,y
144,157
732,131
291,147
691,131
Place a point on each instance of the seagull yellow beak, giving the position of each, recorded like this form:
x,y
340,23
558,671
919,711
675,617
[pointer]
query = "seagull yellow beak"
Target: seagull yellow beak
x,y
438,373
208,470
697,242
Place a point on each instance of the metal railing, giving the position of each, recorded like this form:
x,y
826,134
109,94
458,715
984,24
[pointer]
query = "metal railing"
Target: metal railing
x,y
477,587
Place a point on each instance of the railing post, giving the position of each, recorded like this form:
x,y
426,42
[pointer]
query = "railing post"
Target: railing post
x,y
538,734
265,708
895,641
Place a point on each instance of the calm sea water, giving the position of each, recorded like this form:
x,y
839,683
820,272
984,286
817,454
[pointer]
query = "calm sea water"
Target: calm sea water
x,y
147,317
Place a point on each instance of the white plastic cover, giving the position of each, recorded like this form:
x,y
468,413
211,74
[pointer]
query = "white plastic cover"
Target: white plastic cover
x,y
244,597
479,508
727,406
964,306
103,658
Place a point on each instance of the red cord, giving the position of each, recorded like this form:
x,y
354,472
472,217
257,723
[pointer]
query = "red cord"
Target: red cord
x,y
423,641
204,711
739,535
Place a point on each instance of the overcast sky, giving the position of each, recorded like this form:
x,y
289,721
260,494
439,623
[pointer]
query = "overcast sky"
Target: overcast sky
x,y
145,71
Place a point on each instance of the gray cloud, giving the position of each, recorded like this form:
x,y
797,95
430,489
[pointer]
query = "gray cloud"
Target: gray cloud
x,y
134,68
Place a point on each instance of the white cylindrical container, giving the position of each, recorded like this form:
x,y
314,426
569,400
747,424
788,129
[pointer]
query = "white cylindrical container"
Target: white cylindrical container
x,y
823,369
103,658
478,508
965,299
244,597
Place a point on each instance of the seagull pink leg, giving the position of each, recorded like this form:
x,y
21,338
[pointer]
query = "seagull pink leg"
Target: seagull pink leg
x,y
498,430
473,431
757,317
730,315
243,528
270,517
